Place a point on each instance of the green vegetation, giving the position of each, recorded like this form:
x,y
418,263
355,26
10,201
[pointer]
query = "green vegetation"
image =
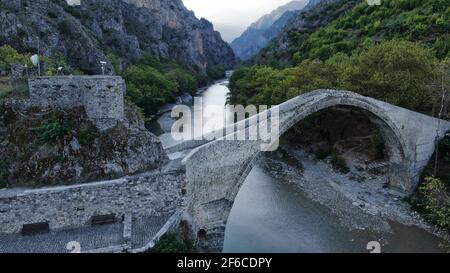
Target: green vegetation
x,y
338,162
65,27
323,153
152,83
216,72
55,131
377,142
399,72
444,147
52,14
52,132
9,57
185,81
4,173
434,202
5,87
86,134
413,20
148,88
115,61
172,243
53,63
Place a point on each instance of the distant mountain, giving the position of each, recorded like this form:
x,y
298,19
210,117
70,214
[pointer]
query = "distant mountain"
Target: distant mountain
x,y
260,33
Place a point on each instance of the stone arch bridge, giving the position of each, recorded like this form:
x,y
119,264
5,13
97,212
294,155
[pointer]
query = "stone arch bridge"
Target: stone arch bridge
x,y
216,170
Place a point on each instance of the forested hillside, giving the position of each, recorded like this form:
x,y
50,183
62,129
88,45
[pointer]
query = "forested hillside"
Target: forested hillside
x,y
350,26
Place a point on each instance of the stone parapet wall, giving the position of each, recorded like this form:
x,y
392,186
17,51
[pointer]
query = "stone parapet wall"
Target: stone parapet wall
x,y
101,96
155,194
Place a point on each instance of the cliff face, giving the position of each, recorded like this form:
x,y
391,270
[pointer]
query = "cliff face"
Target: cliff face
x,y
26,24
126,27
260,33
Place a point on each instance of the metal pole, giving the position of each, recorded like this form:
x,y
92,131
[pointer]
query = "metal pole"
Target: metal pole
x,y
26,69
39,58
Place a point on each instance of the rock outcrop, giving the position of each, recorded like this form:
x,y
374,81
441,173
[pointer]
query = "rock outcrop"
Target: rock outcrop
x,y
45,147
85,33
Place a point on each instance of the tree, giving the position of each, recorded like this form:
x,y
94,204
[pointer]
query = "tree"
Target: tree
x,y
148,88
398,72
9,57
185,82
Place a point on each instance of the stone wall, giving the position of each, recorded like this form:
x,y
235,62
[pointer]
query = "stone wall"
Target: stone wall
x,y
151,194
101,96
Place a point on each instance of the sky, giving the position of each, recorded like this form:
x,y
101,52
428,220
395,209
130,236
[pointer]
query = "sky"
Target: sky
x,y
232,17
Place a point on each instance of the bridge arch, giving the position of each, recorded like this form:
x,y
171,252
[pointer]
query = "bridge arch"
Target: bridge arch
x,y
217,170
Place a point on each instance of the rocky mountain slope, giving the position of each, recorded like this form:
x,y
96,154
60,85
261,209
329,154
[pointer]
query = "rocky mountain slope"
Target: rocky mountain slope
x,y
315,15
350,26
85,34
260,33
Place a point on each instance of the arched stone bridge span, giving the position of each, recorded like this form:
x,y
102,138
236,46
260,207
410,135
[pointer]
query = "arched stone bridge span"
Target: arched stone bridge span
x,y
216,170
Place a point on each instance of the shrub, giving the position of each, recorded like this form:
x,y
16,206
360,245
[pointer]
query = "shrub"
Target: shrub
x,y
65,27
322,153
56,61
52,132
52,14
444,148
86,134
9,56
435,202
172,243
115,61
4,173
378,144
339,163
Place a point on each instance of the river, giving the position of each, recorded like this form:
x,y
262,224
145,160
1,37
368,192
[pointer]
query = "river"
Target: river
x,y
272,216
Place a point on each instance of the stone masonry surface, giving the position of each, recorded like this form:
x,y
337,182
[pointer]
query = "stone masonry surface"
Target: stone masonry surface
x,y
152,194
101,96
96,239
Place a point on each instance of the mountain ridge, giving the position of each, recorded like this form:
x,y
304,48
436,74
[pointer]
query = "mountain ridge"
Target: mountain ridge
x,y
259,33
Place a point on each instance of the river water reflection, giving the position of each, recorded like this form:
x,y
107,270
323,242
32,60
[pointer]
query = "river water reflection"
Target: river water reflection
x,y
271,216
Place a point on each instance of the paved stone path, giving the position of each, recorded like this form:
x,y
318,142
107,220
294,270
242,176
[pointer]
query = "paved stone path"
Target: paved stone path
x,y
90,238
145,229
56,241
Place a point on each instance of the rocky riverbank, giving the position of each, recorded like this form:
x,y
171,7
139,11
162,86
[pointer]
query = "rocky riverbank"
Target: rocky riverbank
x,y
359,199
